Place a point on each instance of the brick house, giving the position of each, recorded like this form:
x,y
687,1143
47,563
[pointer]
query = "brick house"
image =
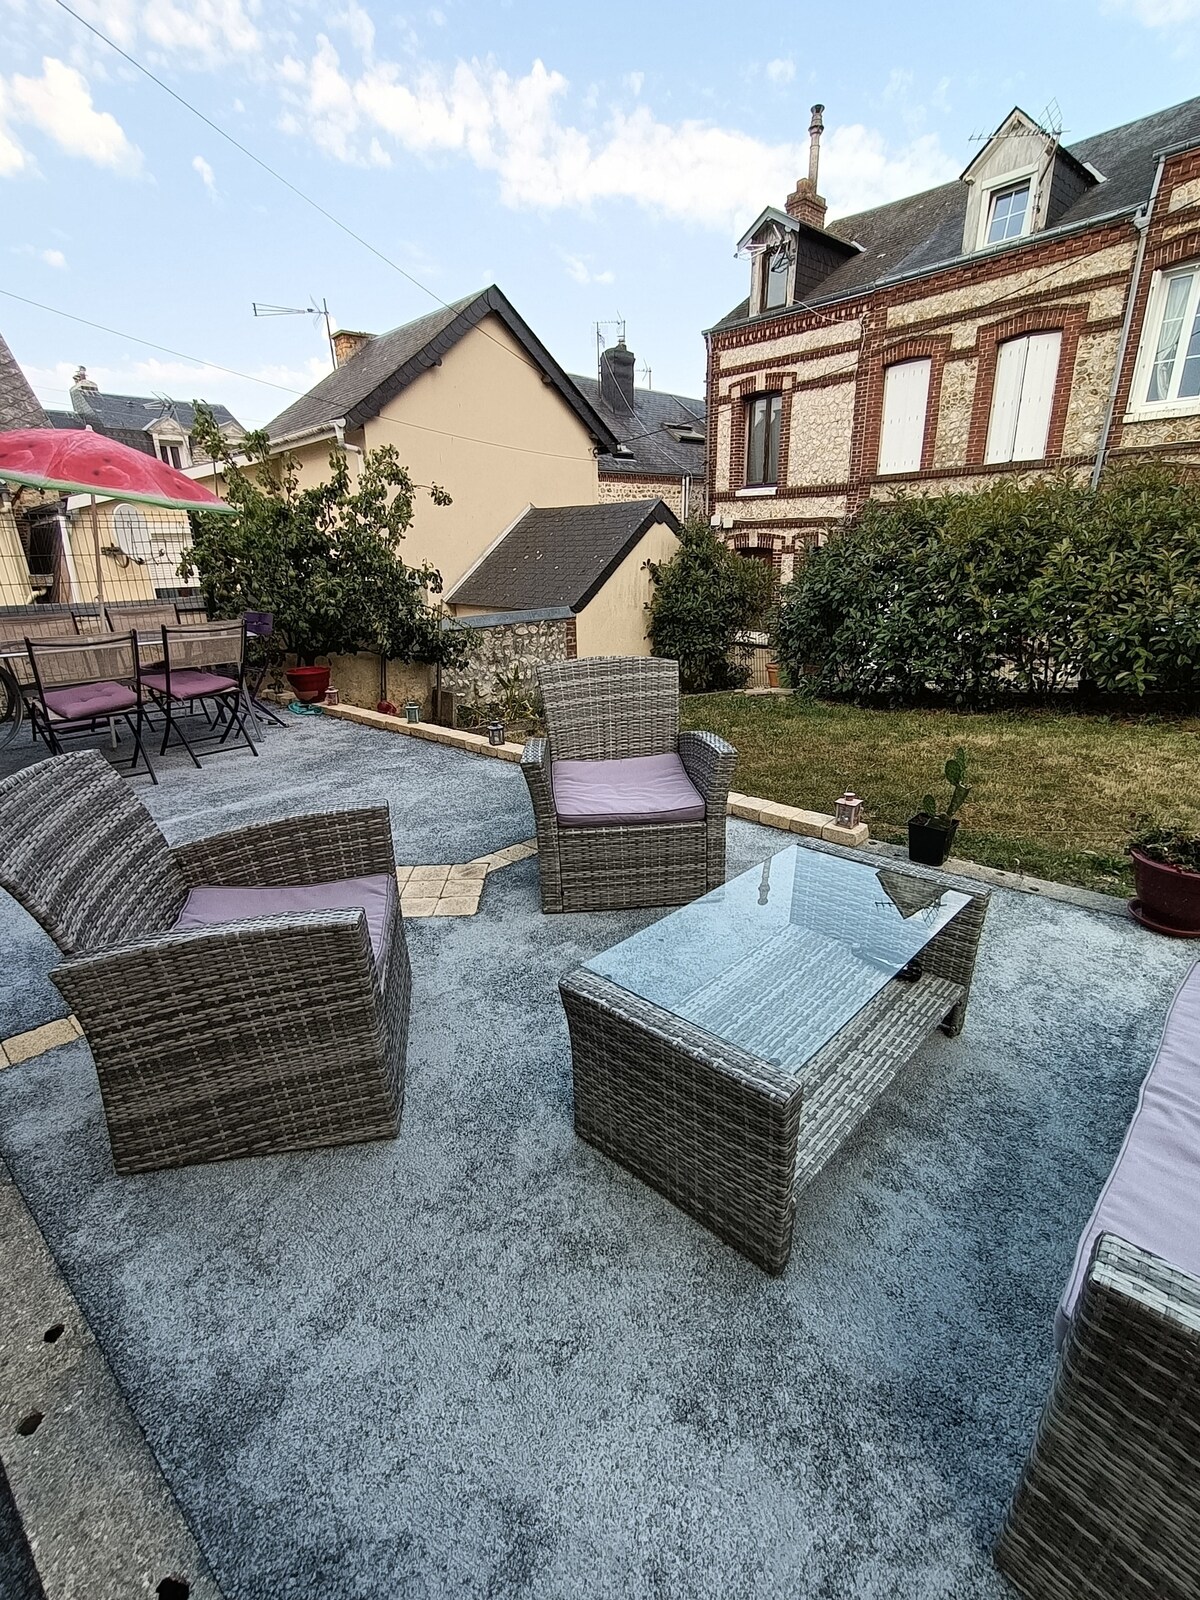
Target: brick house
x,y
1041,312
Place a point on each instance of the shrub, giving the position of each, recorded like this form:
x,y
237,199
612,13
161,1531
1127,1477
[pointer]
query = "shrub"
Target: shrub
x,y
704,596
1025,590
325,561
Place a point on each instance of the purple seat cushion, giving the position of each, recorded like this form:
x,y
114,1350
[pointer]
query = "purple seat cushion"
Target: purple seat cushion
x,y
1152,1196
635,789
190,683
376,894
90,700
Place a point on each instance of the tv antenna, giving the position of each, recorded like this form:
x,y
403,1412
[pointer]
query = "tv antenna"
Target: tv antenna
x,y
601,341
318,312
647,375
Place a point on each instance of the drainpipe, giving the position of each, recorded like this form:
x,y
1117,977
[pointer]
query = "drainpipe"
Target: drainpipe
x,y
1142,223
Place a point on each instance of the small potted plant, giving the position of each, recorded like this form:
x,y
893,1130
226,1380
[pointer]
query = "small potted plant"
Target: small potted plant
x,y
1166,875
931,832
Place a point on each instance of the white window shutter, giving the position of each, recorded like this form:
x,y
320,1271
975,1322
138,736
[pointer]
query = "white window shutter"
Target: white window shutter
x,y
1037,396
905,402
1006,400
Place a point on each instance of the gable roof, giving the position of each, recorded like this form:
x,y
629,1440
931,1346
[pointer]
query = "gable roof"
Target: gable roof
x,y
647,432
558,555
128,413
385,366
924,231
19,406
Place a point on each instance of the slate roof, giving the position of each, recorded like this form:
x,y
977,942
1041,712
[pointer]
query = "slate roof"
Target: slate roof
x,y
558,555
924,231
388,363
135,438
19,406
135,412
656,452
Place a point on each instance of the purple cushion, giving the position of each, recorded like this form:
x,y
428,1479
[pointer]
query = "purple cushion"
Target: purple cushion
x,y
1152,1197
90,700
376,894
636,789
189,683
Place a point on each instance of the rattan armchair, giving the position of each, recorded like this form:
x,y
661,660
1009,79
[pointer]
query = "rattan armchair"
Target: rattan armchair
x,y
274,1030
608,720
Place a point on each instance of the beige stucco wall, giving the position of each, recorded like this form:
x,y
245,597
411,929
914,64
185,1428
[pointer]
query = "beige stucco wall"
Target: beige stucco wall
x,y
614,621
124,579
486,428
14,569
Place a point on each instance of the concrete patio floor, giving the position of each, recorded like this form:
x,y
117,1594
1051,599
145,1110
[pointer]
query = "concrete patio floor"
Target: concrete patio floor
x,y
483,1361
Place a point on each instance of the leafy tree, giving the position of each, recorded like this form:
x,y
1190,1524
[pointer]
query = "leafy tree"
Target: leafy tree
x,y
325,560
704,596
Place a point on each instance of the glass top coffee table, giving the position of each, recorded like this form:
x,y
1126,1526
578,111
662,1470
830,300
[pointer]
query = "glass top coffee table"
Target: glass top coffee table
x,y
724,1053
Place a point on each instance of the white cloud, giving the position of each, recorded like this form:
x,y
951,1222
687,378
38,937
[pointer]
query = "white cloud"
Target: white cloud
x,y
634,81
781,70
515,127
1159,13
48,258
59,103
359,25
207,31
578,269
207,176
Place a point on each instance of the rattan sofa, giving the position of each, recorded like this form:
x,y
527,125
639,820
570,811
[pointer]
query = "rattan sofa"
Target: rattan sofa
x,y
1108,1507
629,810
244,994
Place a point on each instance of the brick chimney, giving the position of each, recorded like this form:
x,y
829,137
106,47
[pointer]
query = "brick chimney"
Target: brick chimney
x,y
616,378
804,203
347,344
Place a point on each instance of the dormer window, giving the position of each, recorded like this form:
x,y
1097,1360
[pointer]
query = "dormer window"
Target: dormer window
x,y
1008,212
775,278
173,452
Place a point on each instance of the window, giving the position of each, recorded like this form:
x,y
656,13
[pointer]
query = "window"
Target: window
x,y
171,453
1023,397
1170,369
1008,212
762,444
905,401
775,279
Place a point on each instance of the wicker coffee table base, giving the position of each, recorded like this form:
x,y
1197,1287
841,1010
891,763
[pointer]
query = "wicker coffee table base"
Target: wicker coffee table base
x,y
728,1137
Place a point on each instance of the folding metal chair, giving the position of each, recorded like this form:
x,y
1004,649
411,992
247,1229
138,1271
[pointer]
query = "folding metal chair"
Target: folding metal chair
x,y
79,684
203,663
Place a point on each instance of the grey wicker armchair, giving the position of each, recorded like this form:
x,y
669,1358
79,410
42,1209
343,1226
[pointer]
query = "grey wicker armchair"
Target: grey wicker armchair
x,y
244,994
629,810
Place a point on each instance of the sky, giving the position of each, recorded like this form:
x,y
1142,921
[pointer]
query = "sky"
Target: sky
x,y
597,162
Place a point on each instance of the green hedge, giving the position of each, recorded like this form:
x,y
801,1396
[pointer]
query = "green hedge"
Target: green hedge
x,y
1024,591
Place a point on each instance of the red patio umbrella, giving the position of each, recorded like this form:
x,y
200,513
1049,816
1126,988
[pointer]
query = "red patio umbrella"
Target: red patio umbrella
x,y
79,461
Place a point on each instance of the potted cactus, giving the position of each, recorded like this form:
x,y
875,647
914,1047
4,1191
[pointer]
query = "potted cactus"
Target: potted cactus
x,y
1166,875
931,831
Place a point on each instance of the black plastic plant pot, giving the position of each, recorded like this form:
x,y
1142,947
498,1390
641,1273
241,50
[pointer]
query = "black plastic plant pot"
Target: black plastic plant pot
x,y
928,841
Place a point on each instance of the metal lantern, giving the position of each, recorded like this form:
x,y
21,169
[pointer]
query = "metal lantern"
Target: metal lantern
x,y
412,711
848,811
495,733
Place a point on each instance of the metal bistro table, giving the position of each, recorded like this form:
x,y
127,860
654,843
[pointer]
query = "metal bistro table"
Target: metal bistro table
x,y
725,1053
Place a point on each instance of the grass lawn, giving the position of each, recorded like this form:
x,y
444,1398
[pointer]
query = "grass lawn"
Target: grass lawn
x,y
1052,793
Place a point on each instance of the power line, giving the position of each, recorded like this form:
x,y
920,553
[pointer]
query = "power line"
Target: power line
x,y
278,176
300,394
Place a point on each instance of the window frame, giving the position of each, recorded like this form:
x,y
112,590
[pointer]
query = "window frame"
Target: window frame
x,y
1026,338
773,411
992,191
178,446
1140,406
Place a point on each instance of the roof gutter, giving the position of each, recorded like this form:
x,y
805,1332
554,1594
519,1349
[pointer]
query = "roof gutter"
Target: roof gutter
x,y
334,429
1142,223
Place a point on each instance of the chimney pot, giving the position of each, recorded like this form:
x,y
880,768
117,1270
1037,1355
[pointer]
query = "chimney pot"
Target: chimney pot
x,y
347,343
804,203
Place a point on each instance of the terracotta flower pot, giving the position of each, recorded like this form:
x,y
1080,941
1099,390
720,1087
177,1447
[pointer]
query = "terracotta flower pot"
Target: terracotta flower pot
x,y
1168,897
927,842
310,683
772,674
